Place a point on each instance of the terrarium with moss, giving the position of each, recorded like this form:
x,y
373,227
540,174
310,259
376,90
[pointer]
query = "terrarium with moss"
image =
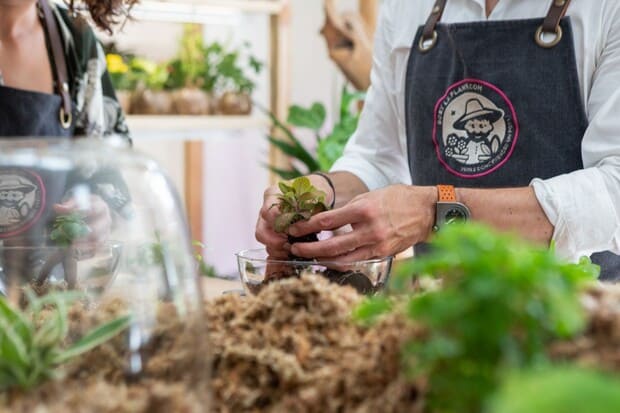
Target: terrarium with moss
x,y
100,305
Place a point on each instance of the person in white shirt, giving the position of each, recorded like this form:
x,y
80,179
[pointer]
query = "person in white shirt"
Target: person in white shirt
x,y
502,111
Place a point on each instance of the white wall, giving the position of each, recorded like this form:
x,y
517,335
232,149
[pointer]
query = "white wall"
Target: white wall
x,y
234,175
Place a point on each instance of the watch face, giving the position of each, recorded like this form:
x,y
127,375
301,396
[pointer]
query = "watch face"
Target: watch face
x,y
456,214
450,212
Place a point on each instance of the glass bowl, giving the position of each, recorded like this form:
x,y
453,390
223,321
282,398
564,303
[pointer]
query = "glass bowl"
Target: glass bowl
x,y
91,267
256,270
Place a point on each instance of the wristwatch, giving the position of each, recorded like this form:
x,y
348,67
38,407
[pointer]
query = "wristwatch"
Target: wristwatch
x,y
448,209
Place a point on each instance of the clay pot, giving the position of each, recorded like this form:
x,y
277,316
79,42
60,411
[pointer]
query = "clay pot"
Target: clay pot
x,y
151,102
231,103
124,100
190,101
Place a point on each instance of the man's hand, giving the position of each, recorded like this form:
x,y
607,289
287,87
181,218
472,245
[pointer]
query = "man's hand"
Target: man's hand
x,y
96,214
276,244
384,222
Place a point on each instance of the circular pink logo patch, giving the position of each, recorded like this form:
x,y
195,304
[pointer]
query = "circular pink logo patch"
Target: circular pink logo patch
x,y
475,130
22,200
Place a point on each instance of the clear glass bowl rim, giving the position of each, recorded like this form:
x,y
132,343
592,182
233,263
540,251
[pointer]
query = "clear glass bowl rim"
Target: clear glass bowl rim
x,y
246,255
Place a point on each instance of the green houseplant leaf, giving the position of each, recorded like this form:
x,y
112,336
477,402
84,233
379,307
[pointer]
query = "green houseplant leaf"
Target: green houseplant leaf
x,y
312,118
32,342
500,301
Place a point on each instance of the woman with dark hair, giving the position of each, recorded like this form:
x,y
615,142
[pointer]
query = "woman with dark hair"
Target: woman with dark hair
x,y
53,77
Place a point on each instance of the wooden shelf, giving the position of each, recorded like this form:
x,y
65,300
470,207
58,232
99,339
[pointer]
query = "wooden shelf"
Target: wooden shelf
x,y
201,11
183,128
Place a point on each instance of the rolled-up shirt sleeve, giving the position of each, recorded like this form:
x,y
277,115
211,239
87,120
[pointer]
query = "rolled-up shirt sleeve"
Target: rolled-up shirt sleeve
x,y
584,205
374,153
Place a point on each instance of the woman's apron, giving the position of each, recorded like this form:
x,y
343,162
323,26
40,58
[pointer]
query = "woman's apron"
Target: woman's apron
x,y
495,104
27,195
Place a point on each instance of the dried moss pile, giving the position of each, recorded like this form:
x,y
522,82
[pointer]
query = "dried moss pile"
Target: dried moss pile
x,y
295,348
599,346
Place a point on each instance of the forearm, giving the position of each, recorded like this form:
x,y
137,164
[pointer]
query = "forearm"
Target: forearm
x,y
347,186
510,209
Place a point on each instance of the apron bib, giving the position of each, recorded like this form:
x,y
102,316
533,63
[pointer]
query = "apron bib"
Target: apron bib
x,y
495,104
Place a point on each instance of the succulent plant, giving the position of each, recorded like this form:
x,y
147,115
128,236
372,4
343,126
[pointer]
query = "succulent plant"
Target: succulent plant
x,y
298,201
33,342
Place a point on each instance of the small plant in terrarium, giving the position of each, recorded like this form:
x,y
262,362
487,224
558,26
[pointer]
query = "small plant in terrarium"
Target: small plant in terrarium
x,y
33,340
297,202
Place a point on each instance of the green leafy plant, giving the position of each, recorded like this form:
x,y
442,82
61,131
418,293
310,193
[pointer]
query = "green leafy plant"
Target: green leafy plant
x,y
558,389
298,201
149,74
329,147
232,68
120,72
67,228
33,341
188,69
500,302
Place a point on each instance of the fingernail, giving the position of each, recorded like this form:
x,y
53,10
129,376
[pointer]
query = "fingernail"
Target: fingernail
x,y
293,231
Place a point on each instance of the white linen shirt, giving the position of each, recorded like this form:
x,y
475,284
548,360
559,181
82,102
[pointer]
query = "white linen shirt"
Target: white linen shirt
x,y
582,204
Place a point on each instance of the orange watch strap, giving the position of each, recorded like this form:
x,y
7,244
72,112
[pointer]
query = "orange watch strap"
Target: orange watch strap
x,y
446,193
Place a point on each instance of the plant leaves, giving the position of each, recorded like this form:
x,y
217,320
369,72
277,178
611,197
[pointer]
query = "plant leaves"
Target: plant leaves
x,y
286,174
297,152
312,118
301,186
372,308
13,349
95,338
283,221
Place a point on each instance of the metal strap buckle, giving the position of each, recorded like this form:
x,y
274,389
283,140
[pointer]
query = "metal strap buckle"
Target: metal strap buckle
x,y
548,45
66,119
424,45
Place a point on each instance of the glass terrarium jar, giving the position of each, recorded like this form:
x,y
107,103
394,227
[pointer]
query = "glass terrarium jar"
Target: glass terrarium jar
x,y
98,283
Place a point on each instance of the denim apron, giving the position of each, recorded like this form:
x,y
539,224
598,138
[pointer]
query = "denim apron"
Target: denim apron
x,y
27,195
495,104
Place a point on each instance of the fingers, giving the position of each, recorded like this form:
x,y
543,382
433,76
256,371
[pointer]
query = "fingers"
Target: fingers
x,y
332,247
66,208
360,254
97,216
276,244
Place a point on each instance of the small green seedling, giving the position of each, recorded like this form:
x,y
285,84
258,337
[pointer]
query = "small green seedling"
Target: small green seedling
x,y
67,228
32,341
298,201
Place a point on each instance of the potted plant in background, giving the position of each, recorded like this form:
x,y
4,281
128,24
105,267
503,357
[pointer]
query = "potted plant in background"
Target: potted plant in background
x,y
237,87
187,75
122,79
149,97
329,146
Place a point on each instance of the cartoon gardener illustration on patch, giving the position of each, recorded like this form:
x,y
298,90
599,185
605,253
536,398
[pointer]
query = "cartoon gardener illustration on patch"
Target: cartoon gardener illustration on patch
x,y
478,123
13,204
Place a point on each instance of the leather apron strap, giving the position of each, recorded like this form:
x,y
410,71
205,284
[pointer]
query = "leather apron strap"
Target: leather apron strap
x,y
551,25
60,64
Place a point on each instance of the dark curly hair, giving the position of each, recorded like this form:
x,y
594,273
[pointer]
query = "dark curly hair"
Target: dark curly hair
x,y
104,13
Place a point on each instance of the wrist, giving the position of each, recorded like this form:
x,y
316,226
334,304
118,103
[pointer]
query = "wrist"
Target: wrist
x,y
323,182
449,207
429,197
